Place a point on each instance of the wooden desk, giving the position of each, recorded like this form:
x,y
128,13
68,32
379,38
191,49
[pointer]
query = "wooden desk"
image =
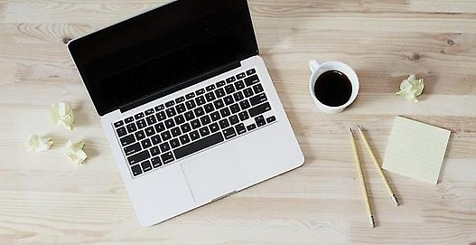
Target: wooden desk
x,y
46,199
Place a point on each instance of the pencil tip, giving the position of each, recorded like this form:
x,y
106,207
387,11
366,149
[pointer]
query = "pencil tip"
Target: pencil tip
x,y
372,221
395,200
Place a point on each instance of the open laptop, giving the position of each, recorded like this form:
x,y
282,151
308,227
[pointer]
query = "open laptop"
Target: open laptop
x,y
187,105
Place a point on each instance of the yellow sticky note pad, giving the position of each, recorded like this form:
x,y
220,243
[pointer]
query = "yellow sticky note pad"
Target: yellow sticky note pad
x,y
416,150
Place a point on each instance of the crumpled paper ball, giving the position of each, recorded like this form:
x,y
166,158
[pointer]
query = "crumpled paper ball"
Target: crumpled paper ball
x,y
62,115
37,143
411,88
75,152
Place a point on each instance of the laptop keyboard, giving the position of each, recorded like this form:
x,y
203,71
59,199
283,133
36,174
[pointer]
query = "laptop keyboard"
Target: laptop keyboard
x,y
201,119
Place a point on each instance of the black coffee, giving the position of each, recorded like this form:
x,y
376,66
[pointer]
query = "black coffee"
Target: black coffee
x,y
333,88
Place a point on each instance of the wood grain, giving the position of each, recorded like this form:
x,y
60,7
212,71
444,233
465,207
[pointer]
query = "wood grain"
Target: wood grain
x,y
45,199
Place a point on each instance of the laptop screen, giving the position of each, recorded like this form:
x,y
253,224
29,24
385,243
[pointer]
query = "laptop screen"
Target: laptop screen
x,y
156,51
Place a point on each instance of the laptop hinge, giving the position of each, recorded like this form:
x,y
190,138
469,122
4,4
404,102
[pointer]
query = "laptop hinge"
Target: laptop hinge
x,y
179,86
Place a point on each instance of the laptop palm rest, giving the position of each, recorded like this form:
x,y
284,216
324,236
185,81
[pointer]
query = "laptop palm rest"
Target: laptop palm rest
x,y
215,175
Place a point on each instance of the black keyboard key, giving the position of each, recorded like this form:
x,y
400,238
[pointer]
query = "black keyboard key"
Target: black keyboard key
x,y
171,112
189,115
229,133
118,124
224,123
200,91
140,134
179,99
151,120
258,88
240,85
220,93
225,112
198,145
138,157
215,116
200,100
248,92
221,83
228,100
210,96
169,103
241,75
129,120
184,139
195,123
270,119
166,135
214,127
245,104
156,139
141,124
156,162
121,131
240,128
146,143
210,87
160,116
251,127
136,170
218,104
169,123
131,128
229,88
234,120
180,108
175,132
127,140
209,107
204,131
159,127
185,127
159,108
238,96
205,120
190,104
154,151
243,115
250,71
149,111
149,131
235,108
259,109
194,135
164,146
179,119
251,80
260,121
167,157
230,79
146,166
139,115
174,143
258,99
128,150
189,96
199,111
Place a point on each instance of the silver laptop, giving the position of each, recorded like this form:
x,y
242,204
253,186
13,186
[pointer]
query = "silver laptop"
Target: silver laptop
x,y
187,105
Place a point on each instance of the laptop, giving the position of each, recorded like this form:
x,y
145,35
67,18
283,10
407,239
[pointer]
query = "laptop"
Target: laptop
x,y
187,105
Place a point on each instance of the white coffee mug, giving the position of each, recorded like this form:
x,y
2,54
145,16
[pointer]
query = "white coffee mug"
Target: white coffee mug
x,y
318,69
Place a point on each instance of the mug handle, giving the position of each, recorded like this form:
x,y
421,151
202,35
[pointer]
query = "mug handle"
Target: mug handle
x,y
313,65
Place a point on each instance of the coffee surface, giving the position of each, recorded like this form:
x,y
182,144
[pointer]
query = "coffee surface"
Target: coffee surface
x,y
333,88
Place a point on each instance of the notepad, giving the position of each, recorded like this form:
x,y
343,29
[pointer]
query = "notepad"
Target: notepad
x,y
416,150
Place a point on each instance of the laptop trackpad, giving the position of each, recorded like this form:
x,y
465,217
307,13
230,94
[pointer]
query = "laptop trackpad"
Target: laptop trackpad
x,y
215,174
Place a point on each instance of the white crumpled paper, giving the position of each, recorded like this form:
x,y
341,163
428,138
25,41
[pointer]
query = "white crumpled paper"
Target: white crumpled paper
x,y
62,115
411,88
37,143
75,152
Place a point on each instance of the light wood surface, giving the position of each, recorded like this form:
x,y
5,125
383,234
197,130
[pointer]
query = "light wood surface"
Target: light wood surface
x,y
46,199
